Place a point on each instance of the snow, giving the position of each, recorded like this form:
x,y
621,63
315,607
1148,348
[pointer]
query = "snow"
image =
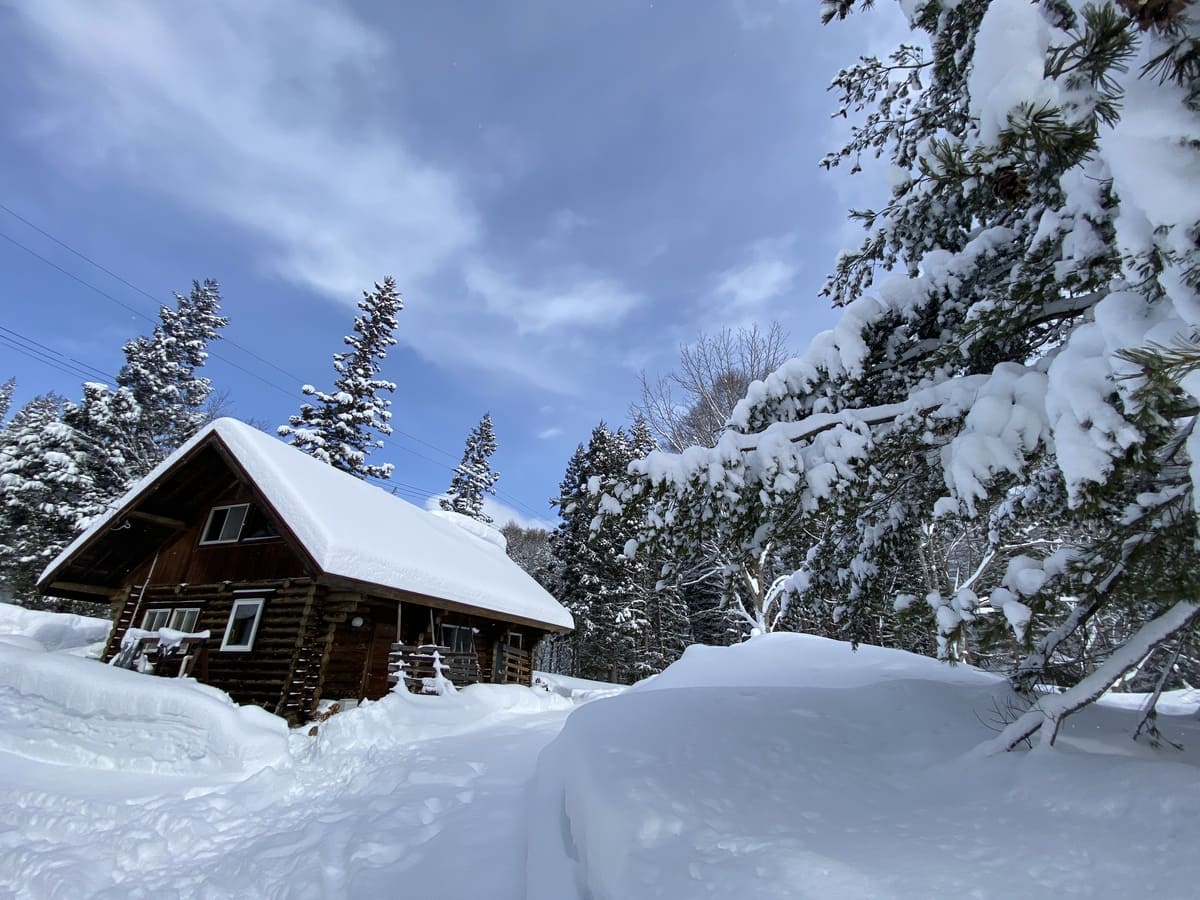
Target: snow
x,y
1007,69
787,766
66,711
791,766
52,631
355,530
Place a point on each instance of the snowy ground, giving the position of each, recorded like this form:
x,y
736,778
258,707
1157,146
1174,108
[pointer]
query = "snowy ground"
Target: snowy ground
x,y
786,767
792,767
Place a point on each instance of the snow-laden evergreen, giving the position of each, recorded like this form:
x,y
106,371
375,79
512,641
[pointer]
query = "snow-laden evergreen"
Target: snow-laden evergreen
x,y
983,442
624,628
473,477
340,427
6,392
45,486
160,398
65,463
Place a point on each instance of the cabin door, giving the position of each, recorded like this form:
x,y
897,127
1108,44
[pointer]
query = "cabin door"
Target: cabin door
x,y
375,668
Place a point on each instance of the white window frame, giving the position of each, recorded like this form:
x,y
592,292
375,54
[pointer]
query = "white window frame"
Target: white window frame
x,y
245,507
181,612
259,603
160,617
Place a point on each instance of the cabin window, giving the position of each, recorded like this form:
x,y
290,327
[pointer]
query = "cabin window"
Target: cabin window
x,y
243,624
178,619
516,639
459,638
258,527
224,524
155,619
184,619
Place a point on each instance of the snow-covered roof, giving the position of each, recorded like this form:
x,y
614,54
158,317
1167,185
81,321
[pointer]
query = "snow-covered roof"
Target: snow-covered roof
x,y
352,529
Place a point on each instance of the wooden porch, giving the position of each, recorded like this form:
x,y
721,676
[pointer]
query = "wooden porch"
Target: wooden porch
x,y
418,666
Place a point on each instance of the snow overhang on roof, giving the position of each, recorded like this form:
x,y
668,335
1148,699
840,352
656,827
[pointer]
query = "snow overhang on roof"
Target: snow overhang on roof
x,y
356,531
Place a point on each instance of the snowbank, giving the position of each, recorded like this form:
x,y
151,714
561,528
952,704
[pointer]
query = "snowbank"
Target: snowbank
x,y
804,660
791,766
402,718
577,690
53,631
59,709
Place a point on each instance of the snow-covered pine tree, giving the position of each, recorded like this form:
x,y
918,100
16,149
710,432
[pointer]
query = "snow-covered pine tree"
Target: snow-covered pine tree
x,y
473,476
658,616
598,588
44,491
624,628
6,392
339,428
159,399
160,371
1041,227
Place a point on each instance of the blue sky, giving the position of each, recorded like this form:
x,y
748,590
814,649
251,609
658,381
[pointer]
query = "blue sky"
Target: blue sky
x,y
564,192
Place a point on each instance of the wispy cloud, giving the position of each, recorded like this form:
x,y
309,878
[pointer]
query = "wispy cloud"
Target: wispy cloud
x,y
575,299
265,118
768,271
547,434
240,110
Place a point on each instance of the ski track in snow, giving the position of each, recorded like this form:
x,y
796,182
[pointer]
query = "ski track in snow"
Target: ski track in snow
x,y
443,817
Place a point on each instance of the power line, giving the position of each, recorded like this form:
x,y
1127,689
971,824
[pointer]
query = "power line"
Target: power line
x,y
84,368
129,284
134,310
37,357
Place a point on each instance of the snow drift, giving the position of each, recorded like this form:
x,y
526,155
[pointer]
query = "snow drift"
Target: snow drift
x,y
53,631
59,709
791,766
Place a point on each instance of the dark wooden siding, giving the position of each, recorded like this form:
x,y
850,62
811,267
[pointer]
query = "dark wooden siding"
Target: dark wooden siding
x,y
260,676
358,661
185,560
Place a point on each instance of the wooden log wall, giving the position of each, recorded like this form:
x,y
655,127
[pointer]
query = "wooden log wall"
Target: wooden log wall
x,y
260,676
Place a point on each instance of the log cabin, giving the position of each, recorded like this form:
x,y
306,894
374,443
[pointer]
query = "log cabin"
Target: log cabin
x,y
310,583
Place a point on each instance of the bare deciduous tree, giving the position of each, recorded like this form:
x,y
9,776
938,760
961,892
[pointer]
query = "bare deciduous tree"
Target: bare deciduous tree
x,y
690,406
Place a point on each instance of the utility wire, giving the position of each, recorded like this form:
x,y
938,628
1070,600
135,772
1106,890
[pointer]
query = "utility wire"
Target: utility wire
x,y
6,341
75,363
134,310
129,284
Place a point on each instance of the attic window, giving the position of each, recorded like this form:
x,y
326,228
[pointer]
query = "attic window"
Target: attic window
x,y
258,527
243,624
224,524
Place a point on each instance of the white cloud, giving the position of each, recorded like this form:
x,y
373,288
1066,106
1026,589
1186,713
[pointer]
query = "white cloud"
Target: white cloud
x,y
274,119
240,110
755,14
549,433
573,300
768,272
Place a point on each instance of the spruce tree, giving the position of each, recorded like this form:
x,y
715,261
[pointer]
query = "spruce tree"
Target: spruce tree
x,y
46,494
159,399
473,476
339,427
6,392
625,628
